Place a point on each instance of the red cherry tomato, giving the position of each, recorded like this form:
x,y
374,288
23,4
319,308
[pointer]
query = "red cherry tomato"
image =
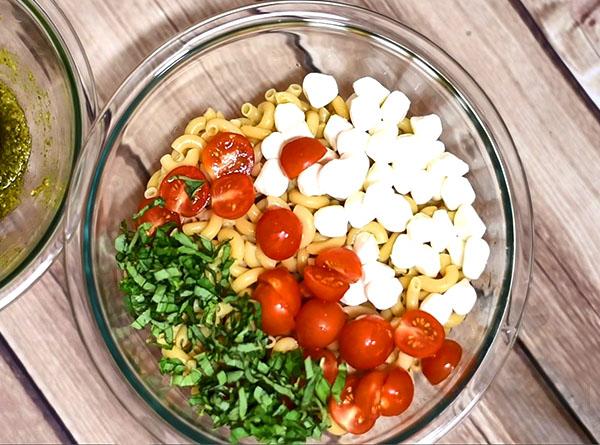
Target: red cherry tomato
x,y
278,233
343,261
305,291
396,393
157,216
319,323
232,195
419,334
328,361
277,318
228,153
348,414
325,284
284,283
185,190
368,391
299,154
439,366
366,342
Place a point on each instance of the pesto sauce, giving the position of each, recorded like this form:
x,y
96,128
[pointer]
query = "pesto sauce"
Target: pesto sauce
x,y
15,148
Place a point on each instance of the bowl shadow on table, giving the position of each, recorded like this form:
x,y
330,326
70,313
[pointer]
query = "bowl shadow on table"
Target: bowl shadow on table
x,y
210,79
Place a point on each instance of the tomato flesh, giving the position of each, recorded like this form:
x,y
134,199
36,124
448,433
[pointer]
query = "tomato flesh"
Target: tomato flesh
x,y
368,391
185,190
278,233
232,195
419,334
299,154
397,392
228,153
366,342
277,319
439,366
325,284
157,216
343,261
319,323
348,414
329,363
284,283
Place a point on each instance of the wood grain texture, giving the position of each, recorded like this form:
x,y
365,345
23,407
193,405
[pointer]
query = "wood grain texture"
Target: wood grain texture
x,y
549,124
573,30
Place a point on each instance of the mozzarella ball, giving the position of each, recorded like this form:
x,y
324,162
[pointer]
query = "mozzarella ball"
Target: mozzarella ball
x,y
448,164
271,180
271,145
456,191
443,229
424,186
365,247
477,252
355,294
340,178
365,113
394,215
379,172
420,228
359,214
298,130
352,140
320,89
428,261
376,271
371,88
395,107
462,297
308,181
437,305
335,125
383,144
287,116
328,156
377,196
429,127
403,176
468,223
384,294
331,221
404,252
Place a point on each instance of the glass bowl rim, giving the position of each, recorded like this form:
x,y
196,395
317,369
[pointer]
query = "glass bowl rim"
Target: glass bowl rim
x,y
168,57
50,18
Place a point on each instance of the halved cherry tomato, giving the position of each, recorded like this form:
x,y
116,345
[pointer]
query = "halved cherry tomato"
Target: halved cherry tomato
x,y
278,233
284,283
396,393
325,284
228,153
299,154
439,366
232,195
319,323
366,342
348,414
277,319
343,261
329,363
419,334
385,393
185,190
157,216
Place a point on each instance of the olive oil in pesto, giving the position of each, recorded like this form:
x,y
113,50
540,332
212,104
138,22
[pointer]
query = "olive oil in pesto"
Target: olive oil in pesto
x,y
15,148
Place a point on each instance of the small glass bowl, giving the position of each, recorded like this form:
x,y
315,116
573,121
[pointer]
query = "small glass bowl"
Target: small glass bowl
x,y
42,61
233,58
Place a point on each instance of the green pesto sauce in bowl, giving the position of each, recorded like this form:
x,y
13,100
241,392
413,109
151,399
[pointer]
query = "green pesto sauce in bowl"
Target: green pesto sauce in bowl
x,y
15,148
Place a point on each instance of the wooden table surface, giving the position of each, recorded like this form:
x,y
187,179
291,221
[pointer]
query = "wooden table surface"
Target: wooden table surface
x,y
539,62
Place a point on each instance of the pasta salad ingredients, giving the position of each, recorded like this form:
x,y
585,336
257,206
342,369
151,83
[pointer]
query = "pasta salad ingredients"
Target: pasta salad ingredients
x,y
279,233
152,214
185,190
348,414
366,342
324,283
232,195
318,324
419,334
439,366
299,154
227,153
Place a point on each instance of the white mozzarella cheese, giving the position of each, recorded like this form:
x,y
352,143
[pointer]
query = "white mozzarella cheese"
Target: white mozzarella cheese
x,y
456,191
308,181
428,127
456,249
371,88
395,107
383,143
420,228
320,89
467,222
477,252
271,145
365,113
428,260
377,196
365,247
355,294
394,214
424,186
443,230
379,172
340,178
328,156
335,125
331,221
359,214
271,180
376,271
404,252
462,297
298,130
448,164
437,305
384,294
287,116
403,176
352,140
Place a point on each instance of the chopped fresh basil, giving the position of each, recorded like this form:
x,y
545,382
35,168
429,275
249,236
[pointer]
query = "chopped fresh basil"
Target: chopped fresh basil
x,y
158,202
191,185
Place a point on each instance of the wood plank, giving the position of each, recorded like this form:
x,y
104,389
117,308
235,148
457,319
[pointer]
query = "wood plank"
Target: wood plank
x,y
573,30
21,419
495,33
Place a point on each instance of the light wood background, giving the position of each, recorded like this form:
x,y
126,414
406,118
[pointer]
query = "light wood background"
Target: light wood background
x,y
539,62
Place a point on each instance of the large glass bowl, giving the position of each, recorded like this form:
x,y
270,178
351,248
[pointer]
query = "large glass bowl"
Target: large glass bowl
x,y
235,57
42,61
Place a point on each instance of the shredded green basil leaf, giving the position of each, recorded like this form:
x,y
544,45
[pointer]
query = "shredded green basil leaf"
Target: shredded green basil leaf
x,y
158,202
191,185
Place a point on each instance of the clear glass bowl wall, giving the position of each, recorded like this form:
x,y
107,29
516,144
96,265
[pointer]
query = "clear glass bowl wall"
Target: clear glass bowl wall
x,y
48,71
232,59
